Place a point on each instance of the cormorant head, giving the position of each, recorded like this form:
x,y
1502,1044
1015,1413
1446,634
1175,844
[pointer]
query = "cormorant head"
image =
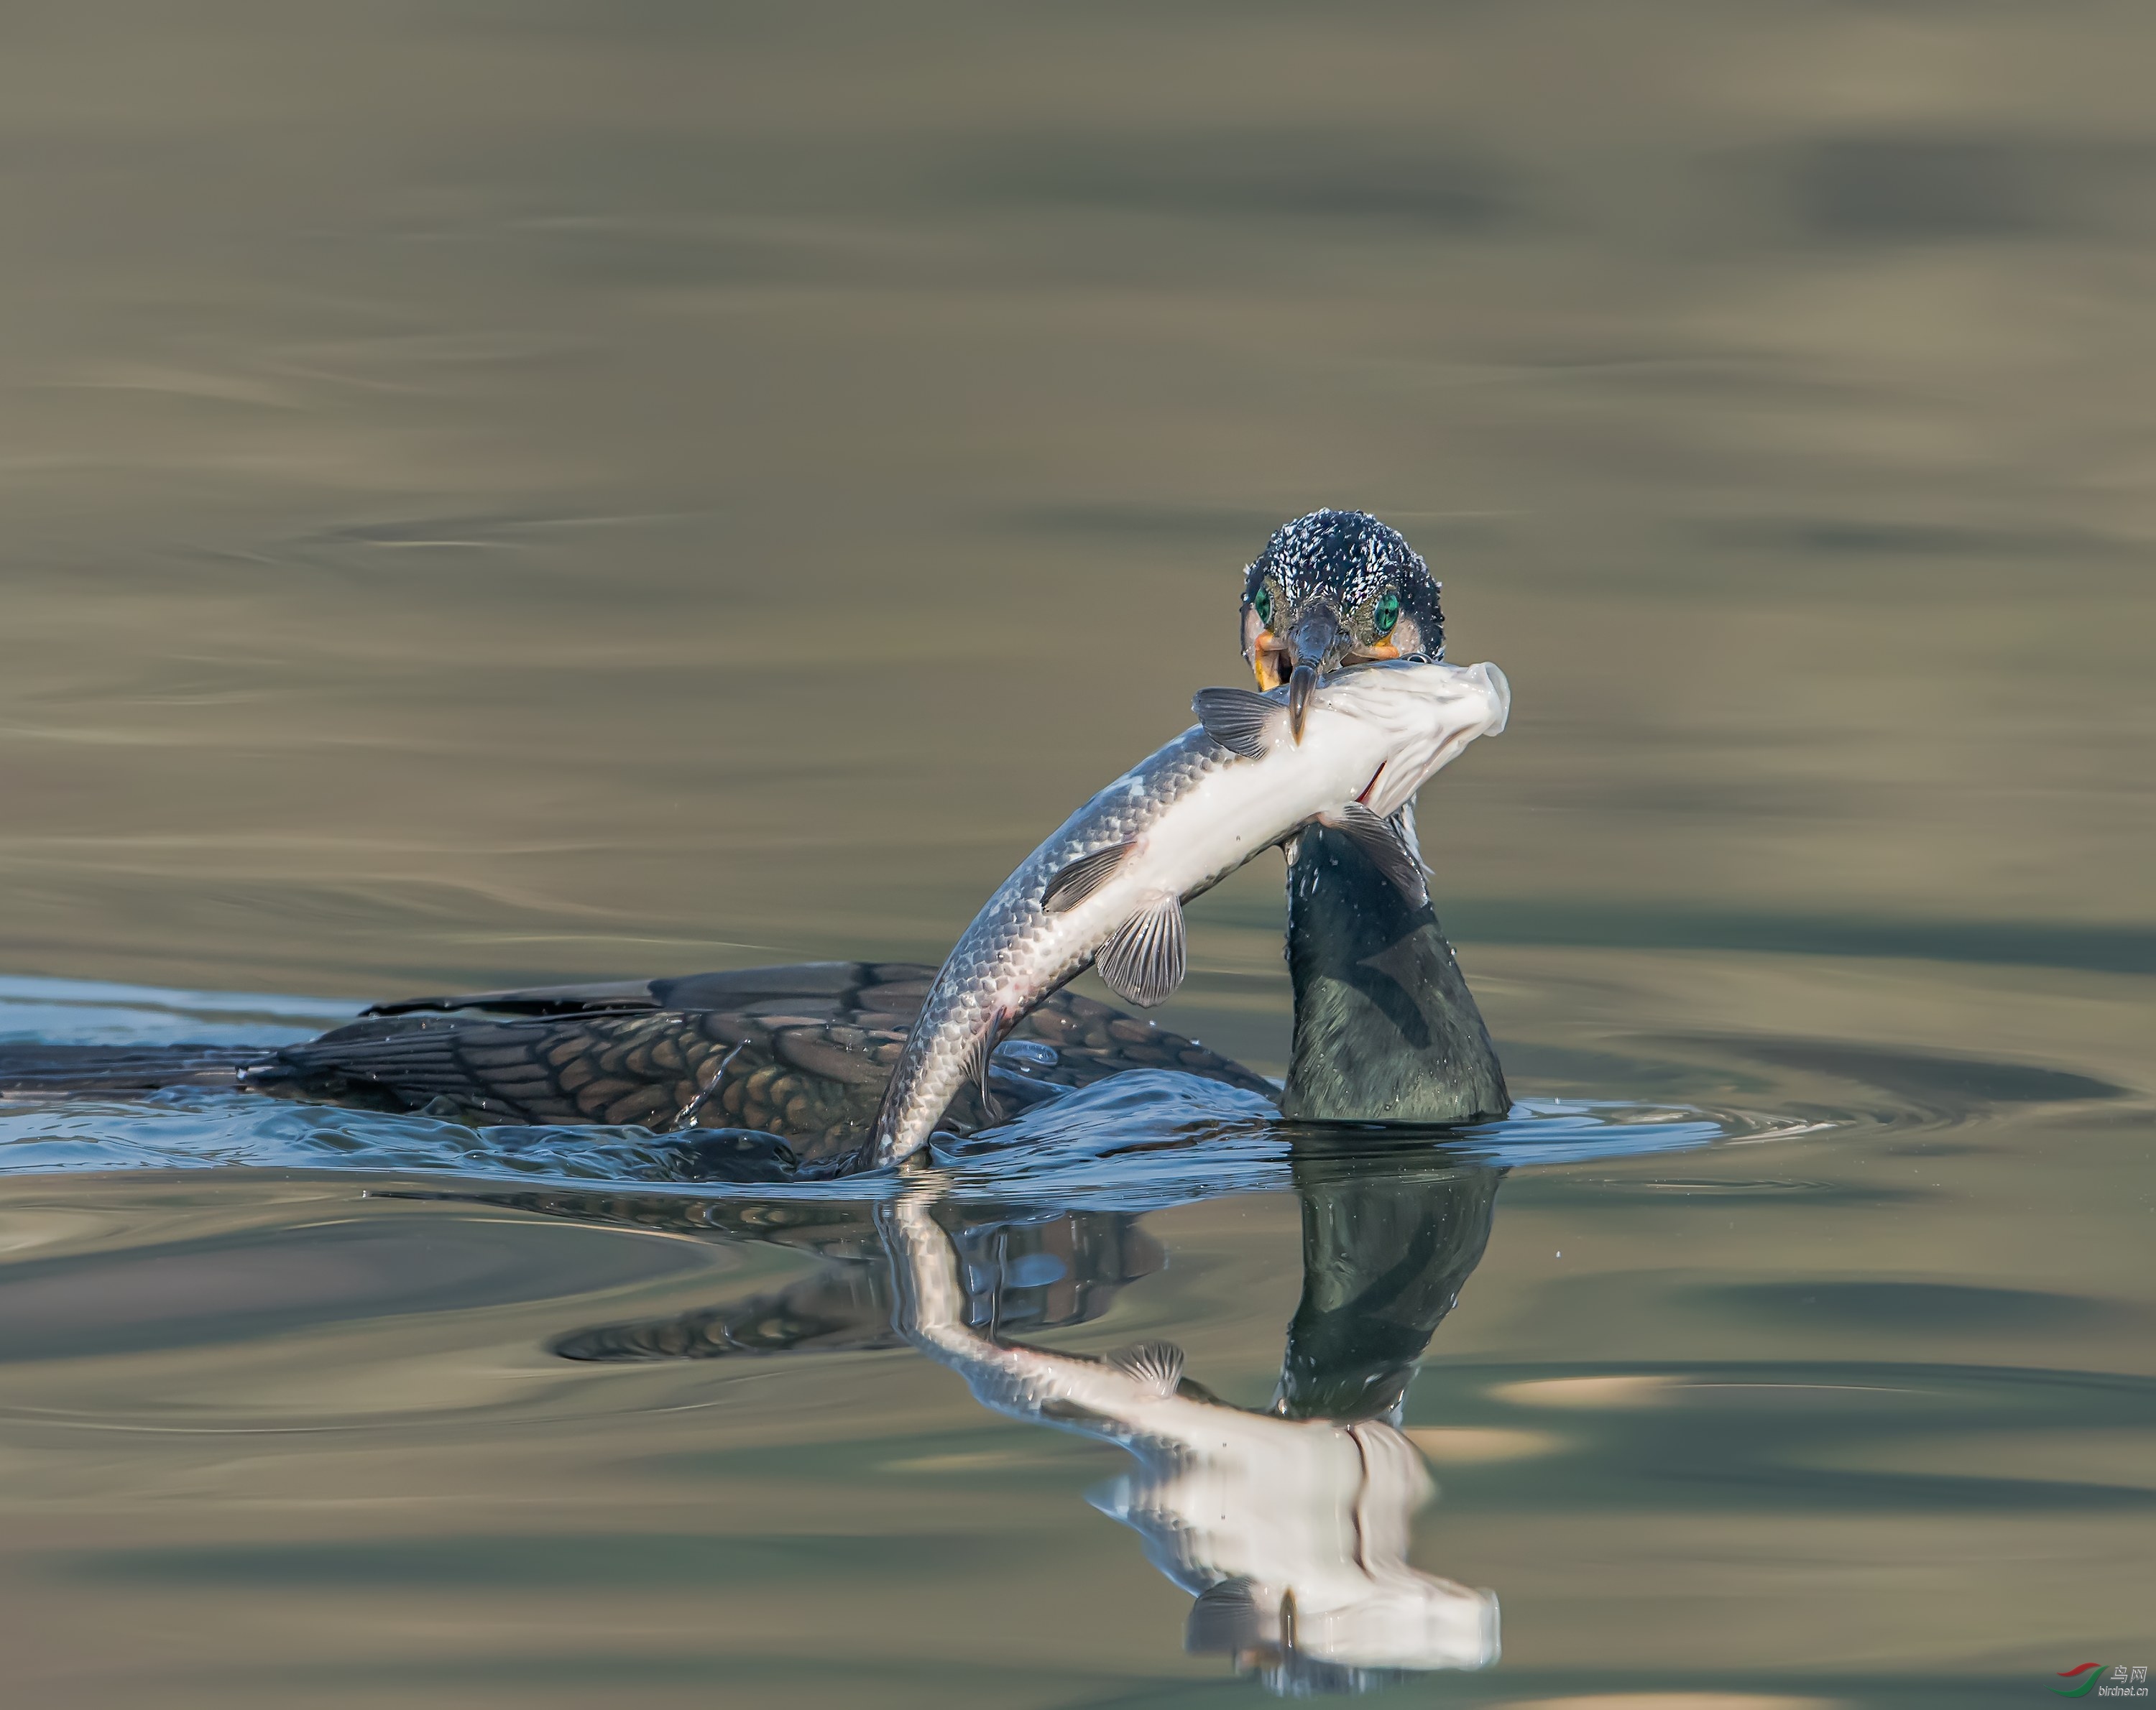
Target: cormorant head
x,y
1335,588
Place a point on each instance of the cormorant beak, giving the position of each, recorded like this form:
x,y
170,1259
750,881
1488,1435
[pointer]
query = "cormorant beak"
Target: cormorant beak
x,y
1314,646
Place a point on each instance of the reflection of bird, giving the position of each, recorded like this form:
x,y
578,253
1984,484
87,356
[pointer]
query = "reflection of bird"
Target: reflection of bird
x,y
1385,1027
1292,1532
1289,1525
1390,1236
1024,1271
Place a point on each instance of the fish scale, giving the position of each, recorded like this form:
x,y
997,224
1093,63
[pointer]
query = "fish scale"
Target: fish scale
x,y
968,989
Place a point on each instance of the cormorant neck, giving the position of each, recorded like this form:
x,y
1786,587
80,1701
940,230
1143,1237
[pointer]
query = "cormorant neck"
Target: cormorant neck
x,y
1385,1027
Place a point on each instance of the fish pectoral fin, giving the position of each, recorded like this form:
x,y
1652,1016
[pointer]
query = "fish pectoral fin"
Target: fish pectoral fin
x,y
1241,721
1083,877
1387,848
1157,1365
1405,821
1143,961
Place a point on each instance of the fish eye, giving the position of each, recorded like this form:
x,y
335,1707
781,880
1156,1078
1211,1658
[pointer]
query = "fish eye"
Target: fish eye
x,y
1387,614
1262,602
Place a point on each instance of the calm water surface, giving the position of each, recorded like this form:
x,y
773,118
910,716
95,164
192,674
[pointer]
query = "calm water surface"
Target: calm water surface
x,y
504,493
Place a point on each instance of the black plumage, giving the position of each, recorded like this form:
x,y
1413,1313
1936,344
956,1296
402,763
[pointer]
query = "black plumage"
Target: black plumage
x,y
802,1052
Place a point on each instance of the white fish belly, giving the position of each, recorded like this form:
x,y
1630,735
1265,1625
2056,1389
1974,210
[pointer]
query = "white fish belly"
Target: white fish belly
x,y
1231,815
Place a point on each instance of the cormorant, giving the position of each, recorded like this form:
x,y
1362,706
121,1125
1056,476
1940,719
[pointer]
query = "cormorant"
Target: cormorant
x,y
1385,1028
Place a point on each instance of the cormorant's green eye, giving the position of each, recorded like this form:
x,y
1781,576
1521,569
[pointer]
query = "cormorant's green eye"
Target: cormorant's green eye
x,y
1262,602
1387,614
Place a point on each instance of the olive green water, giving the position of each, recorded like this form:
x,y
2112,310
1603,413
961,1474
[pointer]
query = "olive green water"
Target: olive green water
x,y
502,492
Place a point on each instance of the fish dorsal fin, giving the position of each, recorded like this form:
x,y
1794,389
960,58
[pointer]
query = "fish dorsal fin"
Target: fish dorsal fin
x,y
1083,877
1157,1365
1387,848
1241,721
1144,959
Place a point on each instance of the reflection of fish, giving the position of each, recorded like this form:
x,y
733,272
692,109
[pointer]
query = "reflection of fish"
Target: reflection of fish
x,y
1292,1532
1108,888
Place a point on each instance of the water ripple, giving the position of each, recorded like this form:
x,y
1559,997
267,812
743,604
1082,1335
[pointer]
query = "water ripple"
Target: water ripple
x,y
1147,1139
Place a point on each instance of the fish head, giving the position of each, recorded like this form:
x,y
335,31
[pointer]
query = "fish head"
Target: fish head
x,y
1427,714
1335,588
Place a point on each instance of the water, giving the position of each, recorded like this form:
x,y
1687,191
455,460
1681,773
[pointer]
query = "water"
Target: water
x,y
497,494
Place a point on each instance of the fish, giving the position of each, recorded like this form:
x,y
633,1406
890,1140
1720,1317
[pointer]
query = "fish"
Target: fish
x,y
1291,1533
1107,889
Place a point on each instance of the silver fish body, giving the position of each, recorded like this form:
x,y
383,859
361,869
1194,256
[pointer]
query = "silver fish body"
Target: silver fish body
x,y
1108,886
